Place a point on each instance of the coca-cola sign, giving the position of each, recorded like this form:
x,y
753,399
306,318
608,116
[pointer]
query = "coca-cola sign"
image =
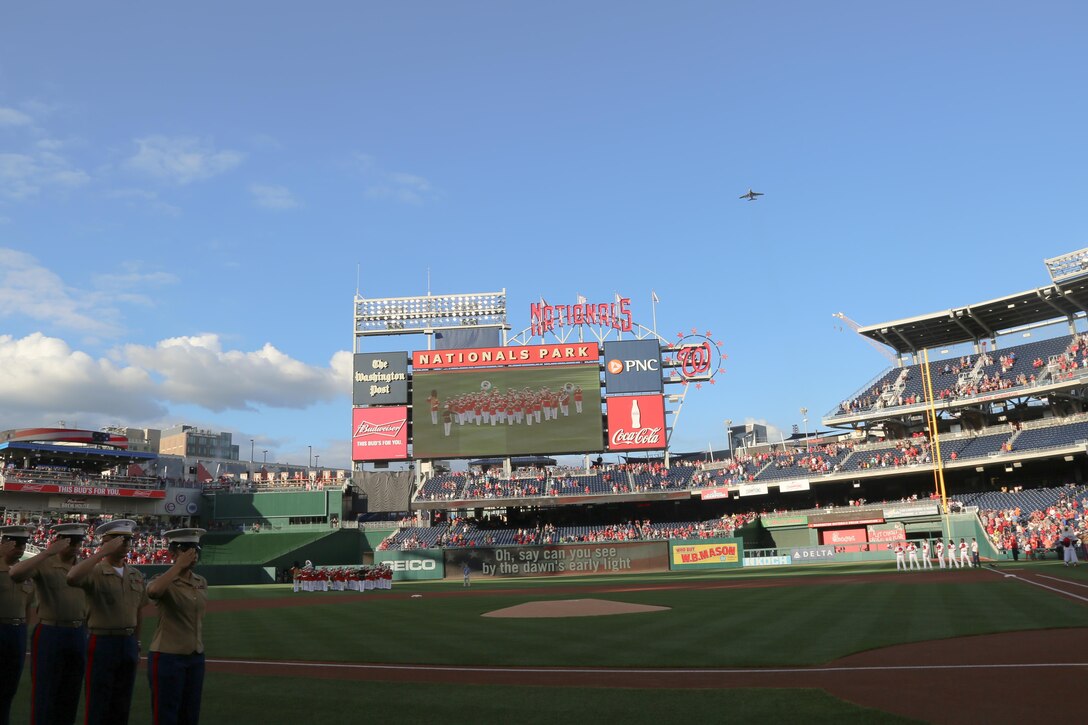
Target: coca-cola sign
x,y
643,438
379,434
636,423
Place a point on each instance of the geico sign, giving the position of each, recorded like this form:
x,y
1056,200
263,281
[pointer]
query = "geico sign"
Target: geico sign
x,y
617,366
412,565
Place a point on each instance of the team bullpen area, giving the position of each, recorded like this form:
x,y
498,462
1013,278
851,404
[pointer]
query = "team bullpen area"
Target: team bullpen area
x,y
853,643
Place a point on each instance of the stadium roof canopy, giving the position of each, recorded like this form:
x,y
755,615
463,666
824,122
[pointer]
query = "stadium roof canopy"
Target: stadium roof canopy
x,y
983,320
86,453
516,462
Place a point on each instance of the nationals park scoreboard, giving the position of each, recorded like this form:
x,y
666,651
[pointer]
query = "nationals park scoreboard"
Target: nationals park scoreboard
x,y
520,397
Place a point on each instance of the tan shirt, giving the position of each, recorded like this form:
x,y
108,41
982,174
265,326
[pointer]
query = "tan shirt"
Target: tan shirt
x,y
57,601
181,616
14,597
114,601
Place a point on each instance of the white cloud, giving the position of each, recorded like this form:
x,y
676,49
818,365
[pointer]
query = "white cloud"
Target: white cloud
x,y
132,284
11,117
144,197
396,186
29,289
24,175
196,370
273,197
180,160
45,380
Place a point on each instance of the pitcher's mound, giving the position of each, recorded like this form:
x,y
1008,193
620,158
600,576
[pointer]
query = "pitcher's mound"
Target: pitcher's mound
x,y
572,608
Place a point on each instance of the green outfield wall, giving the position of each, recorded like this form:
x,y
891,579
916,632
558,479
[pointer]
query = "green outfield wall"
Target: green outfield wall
x,y
222,575
327,547
272,505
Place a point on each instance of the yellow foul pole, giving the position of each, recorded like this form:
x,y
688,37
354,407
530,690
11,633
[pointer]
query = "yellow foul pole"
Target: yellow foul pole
x,y
935,438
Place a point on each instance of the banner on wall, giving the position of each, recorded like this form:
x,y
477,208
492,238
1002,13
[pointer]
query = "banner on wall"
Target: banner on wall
x,y
718,553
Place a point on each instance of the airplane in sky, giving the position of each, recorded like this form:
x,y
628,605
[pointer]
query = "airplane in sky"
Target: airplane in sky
x,y
751,195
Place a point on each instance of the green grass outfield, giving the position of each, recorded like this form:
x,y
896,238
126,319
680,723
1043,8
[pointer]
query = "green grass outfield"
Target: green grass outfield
x,y
810,623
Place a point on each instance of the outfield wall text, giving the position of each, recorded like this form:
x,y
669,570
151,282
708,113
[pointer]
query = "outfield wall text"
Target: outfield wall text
x,y
560,559
413,564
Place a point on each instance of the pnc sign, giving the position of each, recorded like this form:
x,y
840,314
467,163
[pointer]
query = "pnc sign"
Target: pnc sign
x,y
632,366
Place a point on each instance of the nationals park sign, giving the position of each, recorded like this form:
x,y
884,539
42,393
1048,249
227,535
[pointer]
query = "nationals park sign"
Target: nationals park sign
x,y
504,356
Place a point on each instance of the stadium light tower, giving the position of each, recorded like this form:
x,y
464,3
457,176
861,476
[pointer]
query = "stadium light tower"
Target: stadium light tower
x,y
1068,267
728,439
804,418
428,314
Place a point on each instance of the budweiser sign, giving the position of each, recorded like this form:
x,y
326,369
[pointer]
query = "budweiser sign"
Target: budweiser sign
x,y
379,434
636,423
85,490
391,429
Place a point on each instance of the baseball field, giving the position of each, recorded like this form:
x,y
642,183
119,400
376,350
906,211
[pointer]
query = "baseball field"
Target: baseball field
x,y
824,643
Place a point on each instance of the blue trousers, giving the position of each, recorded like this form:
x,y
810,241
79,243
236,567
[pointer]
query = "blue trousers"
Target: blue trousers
x,y
58,656
177,682
111,674
12,656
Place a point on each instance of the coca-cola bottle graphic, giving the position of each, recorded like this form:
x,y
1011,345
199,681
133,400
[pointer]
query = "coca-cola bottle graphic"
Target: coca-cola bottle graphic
x,y
636,415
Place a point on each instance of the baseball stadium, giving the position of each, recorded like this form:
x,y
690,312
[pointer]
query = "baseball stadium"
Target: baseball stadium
x,y
912,559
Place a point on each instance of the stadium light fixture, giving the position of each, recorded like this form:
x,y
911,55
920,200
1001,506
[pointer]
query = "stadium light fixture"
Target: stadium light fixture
x,y
427,313
804,418
1067,267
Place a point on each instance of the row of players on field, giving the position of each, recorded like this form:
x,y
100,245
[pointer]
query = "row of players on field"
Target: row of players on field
x,y
967,553
349,578
514,407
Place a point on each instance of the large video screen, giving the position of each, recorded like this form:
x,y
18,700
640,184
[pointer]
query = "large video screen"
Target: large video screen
x,y
507,411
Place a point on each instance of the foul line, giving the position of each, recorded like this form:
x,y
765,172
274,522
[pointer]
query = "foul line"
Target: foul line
x,y
1065,581
1044,586
640,671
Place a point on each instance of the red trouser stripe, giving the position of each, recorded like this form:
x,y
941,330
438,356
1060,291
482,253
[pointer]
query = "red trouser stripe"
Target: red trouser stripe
x,y
155,687
34,673
87,684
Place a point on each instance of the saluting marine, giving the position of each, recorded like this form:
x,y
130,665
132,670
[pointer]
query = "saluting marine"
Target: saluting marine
x,y
14,609
116,593
58,651
175,664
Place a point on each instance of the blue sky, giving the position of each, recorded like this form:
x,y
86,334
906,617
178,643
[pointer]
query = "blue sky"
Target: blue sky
x,y
186,190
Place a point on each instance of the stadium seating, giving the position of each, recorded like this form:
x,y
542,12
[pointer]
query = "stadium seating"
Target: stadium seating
x,y
471,534
950,380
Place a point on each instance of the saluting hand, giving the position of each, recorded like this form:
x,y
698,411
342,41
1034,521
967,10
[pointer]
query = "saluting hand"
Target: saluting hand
x,y
111,546
187,558
57,546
